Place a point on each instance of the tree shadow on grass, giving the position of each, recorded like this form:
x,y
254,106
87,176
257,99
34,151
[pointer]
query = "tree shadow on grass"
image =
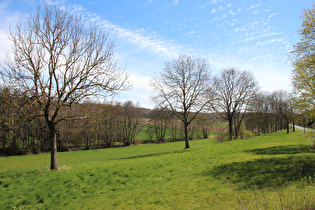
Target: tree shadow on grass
x,y
266,172
288,150
151,155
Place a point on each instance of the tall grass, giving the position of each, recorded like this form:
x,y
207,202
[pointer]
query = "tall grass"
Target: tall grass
x,y
166,176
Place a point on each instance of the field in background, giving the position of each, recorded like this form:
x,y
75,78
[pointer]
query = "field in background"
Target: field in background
x,y
268,171
214,130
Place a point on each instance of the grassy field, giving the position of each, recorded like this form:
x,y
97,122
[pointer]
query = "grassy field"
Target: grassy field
x,y
272,171
216,129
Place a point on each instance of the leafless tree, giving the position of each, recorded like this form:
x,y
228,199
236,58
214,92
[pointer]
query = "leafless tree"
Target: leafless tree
x,y
129,120
60,59
284,106
261,116
182,88
233,91
160,118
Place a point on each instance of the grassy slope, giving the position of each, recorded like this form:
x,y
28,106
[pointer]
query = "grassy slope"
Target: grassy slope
x,y
166,176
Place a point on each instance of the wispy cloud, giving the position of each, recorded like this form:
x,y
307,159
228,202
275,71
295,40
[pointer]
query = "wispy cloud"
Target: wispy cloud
x,y
273,14
254,6
8,18
140,37
155,44
269,41
231,12
262,36
175,2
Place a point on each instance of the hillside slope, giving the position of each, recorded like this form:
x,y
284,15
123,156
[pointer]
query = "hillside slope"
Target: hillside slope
x,y
276,170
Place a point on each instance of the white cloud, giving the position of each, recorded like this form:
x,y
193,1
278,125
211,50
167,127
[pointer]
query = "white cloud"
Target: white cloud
x,y
219,17
140,93
190,34
231,12
5,45
262,36
7,19
274,14
138,36
175,2
213,11
152,43
254,6
269,41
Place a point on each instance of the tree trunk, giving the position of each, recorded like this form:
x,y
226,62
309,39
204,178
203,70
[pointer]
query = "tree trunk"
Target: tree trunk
x,y
230,128
293,126
53,147
186,135
288,127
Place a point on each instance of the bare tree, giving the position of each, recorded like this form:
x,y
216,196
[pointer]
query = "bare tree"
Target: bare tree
x,y
60,59
233,91
261,116
284,106
129,120
160,118
182,88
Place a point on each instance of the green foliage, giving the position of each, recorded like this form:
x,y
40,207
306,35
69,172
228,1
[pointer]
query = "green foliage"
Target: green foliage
x,y
166,176
303,59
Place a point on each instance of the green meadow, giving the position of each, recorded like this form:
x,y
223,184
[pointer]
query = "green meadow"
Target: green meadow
x,y
274,171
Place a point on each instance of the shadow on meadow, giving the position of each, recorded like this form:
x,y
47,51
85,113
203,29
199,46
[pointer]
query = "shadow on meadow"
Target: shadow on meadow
x,y
152,155
269,171
286,150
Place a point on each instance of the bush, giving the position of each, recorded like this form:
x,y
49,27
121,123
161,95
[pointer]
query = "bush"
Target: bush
x,y
246,134
222,138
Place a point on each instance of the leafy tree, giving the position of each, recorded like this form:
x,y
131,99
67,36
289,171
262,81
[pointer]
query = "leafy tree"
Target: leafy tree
x,y
182,88
303,60
58,60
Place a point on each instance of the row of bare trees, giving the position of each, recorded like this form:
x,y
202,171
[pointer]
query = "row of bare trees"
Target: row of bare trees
x,y
90,125
186,88
163,126
100,125
93,125
271,112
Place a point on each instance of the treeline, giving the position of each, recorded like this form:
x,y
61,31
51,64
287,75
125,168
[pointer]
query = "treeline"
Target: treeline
x,y
87,125
91,125
270,112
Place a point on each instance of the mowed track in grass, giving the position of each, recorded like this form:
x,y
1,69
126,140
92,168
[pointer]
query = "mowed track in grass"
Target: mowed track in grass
x,y
166,176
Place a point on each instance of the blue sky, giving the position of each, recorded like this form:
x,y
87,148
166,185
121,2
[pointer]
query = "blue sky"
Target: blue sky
x,y
244,34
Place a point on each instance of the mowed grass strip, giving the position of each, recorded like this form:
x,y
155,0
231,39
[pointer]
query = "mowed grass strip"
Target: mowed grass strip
x,y
166,176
